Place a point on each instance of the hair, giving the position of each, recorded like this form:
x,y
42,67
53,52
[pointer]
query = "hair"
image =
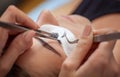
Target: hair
x,y
16,71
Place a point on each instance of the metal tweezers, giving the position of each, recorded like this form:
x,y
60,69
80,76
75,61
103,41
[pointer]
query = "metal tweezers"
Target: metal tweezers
x,y
20,28
96,38
107,37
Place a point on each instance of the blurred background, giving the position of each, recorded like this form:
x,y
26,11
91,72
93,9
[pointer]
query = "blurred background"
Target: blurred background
x,y
33,7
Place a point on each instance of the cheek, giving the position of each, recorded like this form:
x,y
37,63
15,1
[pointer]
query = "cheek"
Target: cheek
x,y
40,60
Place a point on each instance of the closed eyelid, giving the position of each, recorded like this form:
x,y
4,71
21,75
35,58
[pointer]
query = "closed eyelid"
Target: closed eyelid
x,y
67,41
46,45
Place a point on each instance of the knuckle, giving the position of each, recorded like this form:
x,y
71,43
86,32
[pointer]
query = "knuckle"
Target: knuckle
x,y
68,66
11,8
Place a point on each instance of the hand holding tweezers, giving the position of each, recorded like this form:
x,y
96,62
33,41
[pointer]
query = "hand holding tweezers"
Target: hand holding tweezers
x,y
21,28
97,38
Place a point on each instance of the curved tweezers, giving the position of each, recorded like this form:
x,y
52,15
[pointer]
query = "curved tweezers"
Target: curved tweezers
x,y
21,28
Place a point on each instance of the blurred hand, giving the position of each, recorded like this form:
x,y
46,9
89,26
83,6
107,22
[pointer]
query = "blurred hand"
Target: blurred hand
x,y
101,63
19,44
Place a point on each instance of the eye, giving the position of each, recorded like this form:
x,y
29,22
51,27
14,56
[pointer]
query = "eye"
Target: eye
x,y
46,45
65,37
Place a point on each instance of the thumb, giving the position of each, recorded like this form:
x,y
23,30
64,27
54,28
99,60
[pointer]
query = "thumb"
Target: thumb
x,y
77,56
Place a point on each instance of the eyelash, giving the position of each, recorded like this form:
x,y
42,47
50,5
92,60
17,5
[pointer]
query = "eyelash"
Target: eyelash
x,y
46,45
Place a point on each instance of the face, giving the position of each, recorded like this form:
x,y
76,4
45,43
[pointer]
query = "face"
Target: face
x,y
41,61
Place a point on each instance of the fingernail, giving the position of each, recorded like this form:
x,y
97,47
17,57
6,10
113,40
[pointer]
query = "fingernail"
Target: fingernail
x,y
29,35
87,31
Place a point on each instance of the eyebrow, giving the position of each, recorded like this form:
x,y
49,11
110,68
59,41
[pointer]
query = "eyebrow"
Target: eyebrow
x,y
46,45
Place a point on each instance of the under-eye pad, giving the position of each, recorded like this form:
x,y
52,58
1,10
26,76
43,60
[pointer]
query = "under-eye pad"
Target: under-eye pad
x,y
63,35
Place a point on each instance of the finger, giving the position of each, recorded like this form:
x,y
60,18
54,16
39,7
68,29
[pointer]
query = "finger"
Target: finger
x,y
14,15
100,57
109,43
46,17
103,53
3,38
17,47
76,57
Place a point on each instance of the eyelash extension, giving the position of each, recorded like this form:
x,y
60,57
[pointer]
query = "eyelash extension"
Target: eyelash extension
x,y
71,42
46,45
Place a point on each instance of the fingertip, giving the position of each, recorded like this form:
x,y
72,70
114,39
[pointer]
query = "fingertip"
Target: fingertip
x,y
29,35
36,26
11,8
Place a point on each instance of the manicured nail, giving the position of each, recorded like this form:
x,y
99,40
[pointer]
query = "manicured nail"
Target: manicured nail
x,y
29,35
87,30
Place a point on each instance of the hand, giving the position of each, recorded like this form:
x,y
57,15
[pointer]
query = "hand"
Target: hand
x,y
100,63
20,43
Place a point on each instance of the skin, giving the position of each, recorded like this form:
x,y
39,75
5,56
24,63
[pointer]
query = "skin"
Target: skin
x,y
23,40
101,63
104,61
38,60
72,66
38,57
96,63
110,21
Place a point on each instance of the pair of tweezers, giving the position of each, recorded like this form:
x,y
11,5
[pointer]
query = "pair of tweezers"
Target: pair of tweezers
x,y
107,37
20,28
97,38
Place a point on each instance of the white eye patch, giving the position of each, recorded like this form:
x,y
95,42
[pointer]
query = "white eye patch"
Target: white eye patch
x,y
63,36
